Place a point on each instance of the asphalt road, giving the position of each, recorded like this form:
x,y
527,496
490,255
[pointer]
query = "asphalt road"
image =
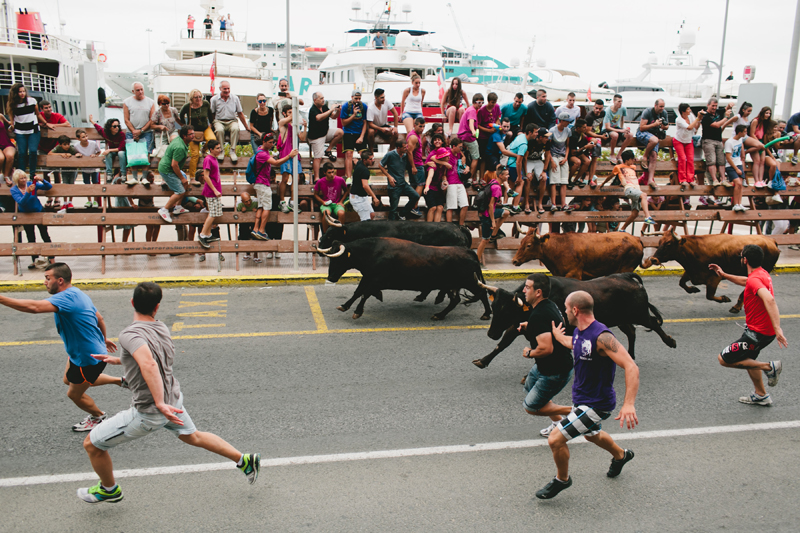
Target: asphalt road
x,y
272,371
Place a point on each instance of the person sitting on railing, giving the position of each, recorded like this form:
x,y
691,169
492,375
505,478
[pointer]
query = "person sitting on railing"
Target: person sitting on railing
x,y
734,168
24,193
378,128
284,97
197,112
23,112
330,192
166,121
115,145
66,150
89,148
652,135
8,151
635,196
225,109
138,111
46,145
261,121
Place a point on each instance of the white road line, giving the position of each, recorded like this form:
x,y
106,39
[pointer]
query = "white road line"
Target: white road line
x,y
387,454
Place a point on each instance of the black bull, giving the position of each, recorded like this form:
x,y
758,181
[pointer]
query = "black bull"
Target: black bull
x,y
619,300
396,264
427,233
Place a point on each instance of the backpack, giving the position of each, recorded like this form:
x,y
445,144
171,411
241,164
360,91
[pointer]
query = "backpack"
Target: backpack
x,y
251,173
484,197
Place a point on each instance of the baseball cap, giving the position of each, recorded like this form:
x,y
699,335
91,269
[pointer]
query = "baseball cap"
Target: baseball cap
x,y
543,132
565,117
355,93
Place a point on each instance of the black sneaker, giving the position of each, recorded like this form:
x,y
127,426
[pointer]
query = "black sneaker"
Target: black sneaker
x,y
204,242
616,466
552,489
212,239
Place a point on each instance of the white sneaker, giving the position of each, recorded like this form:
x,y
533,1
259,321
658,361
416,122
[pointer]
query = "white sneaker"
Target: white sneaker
x,y
164,213
179,210
773,373
131,181
738,208
234,157
549,429
754,399
62,211
284,206
88,423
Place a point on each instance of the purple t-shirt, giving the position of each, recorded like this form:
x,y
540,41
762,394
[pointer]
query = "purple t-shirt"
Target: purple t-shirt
x,y
452,174
285,143
331,190
210,164
417,154
497,192
263,168
464,133
486,118
442,153
594,374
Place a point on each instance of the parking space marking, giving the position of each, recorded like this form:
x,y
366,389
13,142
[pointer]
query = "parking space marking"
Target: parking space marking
x,y
390,454
316,310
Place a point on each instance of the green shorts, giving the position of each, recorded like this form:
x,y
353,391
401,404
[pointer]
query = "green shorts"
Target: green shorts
x,y
332,208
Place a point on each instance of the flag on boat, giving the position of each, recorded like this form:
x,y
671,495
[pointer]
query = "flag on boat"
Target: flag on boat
x,y
589,93
440,83
213,72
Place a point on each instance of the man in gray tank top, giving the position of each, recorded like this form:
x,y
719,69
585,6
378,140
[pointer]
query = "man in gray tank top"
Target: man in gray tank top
x,y
147,357
138,111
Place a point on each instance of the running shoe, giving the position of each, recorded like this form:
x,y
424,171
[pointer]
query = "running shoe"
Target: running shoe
x,y
234,157
179,210
252,463
773,373
552,489
98,494
284,207
246,257
649,220
146,182
794,160
553,208
703,200
263,236
513,194
69,205
760,184
164,213
88,204
131,181
549,429
515,210
89,423
727,184
755,399
415,212
568,208
62,211
212,238
204,242
259,260
616,465
593,184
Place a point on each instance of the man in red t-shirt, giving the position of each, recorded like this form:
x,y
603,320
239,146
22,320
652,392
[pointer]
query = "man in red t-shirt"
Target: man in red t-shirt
x,y
46,145
762,325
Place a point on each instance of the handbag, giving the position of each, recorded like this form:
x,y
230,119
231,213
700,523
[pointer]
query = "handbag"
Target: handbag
x,y
161,150
777,183
137,155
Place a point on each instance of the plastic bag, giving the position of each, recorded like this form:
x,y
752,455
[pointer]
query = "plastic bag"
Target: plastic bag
x,y
777,183
137,154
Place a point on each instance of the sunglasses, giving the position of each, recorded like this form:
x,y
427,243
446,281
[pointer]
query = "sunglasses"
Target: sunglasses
x,y
262,101
115,125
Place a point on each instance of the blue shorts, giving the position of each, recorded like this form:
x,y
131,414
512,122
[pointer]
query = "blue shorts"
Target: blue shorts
x,y
643,137
287,167
486,223
419,178
173,182
415,116
541,389
731,173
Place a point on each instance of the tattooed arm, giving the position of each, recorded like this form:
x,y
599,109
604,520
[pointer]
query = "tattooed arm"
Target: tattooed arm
x,y
608,346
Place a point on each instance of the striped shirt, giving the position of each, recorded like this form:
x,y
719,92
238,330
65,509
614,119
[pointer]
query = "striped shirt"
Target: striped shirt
x,y
25,120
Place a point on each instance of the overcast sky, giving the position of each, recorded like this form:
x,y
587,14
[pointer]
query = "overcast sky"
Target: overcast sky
x,y
602,41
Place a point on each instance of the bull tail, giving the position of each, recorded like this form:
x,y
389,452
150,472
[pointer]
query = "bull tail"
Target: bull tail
x,y
467,237
659,319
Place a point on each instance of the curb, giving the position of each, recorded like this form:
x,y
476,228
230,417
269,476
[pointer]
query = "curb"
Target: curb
x,y
299,279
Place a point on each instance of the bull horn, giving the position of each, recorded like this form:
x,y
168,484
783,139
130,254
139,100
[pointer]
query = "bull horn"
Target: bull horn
x,y
324,250
337,254
518,227
332,221
519,301
484,286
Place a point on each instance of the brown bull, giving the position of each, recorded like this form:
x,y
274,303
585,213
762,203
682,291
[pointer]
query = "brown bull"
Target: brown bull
x,y
696,252
581,255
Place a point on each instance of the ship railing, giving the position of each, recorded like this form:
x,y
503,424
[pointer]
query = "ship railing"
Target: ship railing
x,y
200,33
43,42
222,71
33,81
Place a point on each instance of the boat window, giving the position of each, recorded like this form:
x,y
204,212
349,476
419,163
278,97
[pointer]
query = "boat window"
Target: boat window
x,y
70,108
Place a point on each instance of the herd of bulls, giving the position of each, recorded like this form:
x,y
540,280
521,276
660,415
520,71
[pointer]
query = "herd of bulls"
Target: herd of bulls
x,y
437,256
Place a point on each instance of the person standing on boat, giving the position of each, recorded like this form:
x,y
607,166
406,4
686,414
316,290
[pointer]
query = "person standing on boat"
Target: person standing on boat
x,y
379,41
23,113
226,108
222,28
515,112
190,27
209,24
411,104
451,104
541,112
229,28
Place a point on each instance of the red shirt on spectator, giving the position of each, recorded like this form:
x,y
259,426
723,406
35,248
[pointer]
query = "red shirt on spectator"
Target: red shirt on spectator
x,y
46,144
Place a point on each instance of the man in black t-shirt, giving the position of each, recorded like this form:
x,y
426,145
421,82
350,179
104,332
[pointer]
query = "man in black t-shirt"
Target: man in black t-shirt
x,y
553,368
320,132
713,149
208,23
362,198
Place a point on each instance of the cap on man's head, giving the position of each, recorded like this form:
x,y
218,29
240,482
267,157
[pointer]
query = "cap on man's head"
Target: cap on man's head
x,y
355,93
565,117
543,132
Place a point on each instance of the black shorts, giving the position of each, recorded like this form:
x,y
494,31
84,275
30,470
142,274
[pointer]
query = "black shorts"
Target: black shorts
x,y
483,144
350,143
746,347
512,174
82,374
435,198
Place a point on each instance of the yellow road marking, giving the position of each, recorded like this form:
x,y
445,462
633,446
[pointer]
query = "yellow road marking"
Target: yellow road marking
x,y
221,303
204,294
316,310
178,326
351,330
221,313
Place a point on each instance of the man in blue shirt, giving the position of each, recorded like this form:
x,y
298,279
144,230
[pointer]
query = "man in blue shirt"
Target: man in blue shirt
x,y
354,124
83,331
515,112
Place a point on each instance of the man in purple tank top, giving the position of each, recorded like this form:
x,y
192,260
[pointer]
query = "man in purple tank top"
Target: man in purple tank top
x,y
597,355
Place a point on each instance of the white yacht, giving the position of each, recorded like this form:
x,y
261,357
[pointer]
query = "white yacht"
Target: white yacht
x,y
56,68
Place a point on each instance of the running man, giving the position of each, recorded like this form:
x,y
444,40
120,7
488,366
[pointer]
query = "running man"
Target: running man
x,y
83,331
553,368
596,353
147,355
762,325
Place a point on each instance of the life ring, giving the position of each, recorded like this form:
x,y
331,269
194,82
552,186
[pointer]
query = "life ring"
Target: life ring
x,y
102,58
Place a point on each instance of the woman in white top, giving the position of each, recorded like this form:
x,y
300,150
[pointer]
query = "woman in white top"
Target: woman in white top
x,y
23,112
411,104
752,146
687,125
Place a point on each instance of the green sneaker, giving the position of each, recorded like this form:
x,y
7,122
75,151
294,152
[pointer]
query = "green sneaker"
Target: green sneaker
x,y
252,463
98,494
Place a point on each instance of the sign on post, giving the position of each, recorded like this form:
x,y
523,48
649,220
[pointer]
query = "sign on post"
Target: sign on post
x,y
749,73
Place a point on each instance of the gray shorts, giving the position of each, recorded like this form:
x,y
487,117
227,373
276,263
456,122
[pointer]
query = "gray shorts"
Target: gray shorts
x,y
473,149
714,152
130,424
264,196
536,166
634,196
